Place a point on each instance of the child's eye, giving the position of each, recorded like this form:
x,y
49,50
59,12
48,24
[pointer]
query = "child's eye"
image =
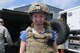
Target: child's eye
x,y
41,16
35,16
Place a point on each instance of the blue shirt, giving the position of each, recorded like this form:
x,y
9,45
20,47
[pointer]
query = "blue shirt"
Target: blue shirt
x,y
23,36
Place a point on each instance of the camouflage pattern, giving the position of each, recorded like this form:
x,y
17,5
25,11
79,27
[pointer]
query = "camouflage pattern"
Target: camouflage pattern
x,y
36,42
38,6
4,33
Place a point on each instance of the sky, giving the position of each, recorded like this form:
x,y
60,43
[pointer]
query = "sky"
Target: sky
x,y
62,4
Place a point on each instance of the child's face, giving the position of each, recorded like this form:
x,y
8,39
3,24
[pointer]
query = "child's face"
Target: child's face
x,y
38,18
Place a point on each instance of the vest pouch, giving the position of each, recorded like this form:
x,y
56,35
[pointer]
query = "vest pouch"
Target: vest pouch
x,y
49,41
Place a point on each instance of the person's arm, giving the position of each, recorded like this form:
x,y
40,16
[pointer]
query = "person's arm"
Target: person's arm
x,y
23,42
55,47
22,47
54,43
7,35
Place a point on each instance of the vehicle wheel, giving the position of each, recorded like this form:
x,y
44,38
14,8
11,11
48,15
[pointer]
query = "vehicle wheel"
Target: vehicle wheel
x,y
61,29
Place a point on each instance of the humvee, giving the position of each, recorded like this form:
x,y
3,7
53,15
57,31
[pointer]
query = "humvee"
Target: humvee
x,y
72,18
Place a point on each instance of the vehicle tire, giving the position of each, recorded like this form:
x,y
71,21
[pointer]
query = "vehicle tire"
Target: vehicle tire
x,y
61,29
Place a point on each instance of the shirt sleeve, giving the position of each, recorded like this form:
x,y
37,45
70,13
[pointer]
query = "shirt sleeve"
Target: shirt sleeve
x,y
23,36
54,35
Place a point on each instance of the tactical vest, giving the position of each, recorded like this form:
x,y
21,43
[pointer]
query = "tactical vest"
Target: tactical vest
x,y
35,42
